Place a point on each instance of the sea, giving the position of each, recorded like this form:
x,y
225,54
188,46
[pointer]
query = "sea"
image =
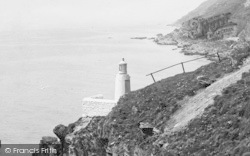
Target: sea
x,y
45,74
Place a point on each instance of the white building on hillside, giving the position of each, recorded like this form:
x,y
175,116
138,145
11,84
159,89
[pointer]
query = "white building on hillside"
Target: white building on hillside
x,y
97,105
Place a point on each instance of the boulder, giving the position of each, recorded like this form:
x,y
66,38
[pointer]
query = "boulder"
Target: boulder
x,y
242,36
49,140
204,80
61,131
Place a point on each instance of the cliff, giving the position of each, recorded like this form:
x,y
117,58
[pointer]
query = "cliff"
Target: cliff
x,y
206,35
240,10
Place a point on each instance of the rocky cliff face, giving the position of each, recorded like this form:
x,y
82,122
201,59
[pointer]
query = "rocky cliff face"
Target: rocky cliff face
x,y
215,27
240,10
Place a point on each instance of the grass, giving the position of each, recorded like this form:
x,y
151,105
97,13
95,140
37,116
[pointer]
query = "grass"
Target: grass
x,y
223,129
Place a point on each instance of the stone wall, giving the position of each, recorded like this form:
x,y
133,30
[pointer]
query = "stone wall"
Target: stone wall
x,y
97,106
214,27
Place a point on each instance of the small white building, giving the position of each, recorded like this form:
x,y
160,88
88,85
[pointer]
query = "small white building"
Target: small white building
x,y
97,105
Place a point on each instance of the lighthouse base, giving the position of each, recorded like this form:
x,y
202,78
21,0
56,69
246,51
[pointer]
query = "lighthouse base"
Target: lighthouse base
x,y
122,85
97,106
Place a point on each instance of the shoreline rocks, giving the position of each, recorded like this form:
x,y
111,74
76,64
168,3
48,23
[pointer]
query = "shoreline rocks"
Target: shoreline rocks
x,y
202,47
142,38
139,38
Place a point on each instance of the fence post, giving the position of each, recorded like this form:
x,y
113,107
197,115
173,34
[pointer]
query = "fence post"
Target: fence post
x,y
183,67
152,77
218,56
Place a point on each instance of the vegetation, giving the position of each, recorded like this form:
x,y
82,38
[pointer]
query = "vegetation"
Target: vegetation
x,y
223,129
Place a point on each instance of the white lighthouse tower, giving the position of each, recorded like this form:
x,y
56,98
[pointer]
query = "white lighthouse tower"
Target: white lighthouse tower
x,y
122,81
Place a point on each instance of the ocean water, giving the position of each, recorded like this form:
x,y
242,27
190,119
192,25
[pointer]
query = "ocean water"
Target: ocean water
x,y
44,75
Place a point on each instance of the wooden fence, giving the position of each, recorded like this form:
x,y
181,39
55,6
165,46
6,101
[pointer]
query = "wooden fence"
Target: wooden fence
x,y
182,64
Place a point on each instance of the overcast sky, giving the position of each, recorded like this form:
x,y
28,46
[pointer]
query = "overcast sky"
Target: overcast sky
x,y
43,14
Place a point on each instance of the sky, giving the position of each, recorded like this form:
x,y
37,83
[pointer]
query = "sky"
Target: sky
x,y
46,14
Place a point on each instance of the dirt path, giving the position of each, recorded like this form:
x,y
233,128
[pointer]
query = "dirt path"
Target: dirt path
x,y
194,106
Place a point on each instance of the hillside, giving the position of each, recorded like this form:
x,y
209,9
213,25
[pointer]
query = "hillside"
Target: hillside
x,y
139,124
199,11
194,106
240,10
223,128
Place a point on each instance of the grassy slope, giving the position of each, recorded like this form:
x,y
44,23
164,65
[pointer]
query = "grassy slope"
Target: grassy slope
x,y
223,129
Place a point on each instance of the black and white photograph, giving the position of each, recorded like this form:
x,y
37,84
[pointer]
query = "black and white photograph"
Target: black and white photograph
x,y
124,77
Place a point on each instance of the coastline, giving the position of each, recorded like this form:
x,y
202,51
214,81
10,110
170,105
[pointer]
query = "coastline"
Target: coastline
x,y
202,47
57,92
154,105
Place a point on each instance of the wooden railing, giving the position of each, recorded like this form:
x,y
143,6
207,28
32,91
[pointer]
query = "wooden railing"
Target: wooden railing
x,y
182,64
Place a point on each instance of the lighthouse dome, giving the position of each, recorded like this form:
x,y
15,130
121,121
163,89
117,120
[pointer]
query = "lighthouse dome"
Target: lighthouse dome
x,y
123,67
122,61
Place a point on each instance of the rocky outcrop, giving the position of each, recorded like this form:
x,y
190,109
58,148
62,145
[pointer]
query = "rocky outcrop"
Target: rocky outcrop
x,y
51,144
203,46
215,27
238,8
165,40
245,33
61,131
190,46
49,140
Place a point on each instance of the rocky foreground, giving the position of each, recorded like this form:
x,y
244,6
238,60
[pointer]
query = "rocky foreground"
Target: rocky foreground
x,y
138,125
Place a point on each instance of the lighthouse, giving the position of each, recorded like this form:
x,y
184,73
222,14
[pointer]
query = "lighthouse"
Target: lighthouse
x,y
122,81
